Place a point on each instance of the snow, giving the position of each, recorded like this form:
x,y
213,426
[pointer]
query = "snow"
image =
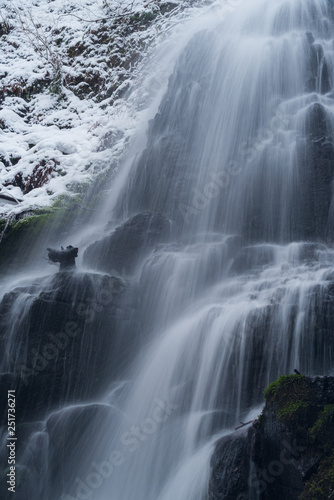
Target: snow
x,y
64,132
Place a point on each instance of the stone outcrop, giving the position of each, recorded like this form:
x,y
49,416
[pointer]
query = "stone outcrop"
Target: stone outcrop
x,y
66,256
52,351
287,453
60,338
122,249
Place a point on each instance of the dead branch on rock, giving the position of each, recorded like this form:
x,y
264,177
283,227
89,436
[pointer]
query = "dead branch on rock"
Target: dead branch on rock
x,y
243,424
9,197
10,217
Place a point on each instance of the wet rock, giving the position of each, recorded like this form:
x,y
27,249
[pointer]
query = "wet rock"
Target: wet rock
x,y
71,432
230,467
166,170
318,72
122,250
288,453
312,214
66,256
52,348
253,258
309,203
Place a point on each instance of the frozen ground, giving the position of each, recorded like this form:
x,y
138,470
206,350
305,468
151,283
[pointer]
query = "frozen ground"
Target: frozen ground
x,y
69,71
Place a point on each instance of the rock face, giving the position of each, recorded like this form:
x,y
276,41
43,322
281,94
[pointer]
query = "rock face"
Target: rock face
x,y
48,335
288,453
61,337
166,169
316,170
129,242
70,433
230,467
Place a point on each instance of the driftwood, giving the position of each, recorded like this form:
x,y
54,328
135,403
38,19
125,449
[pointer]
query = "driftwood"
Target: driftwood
x,y
242,424
66,256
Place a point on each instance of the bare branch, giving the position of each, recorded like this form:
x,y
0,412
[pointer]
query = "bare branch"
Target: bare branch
x,y
242,424
9,219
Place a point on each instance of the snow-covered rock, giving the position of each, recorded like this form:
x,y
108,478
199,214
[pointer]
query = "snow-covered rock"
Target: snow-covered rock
x,y
67,70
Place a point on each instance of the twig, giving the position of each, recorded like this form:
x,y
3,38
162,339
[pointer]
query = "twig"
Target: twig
x,y
10,217
243,424
127,11
9,197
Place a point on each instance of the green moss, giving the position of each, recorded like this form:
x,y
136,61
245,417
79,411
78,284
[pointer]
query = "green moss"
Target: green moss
x,y
21,235
322,432
293,411
287,386
294,401
290,396
321,485
2,225
260,417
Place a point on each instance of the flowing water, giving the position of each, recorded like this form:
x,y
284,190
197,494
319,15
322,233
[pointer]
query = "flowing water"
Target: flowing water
x,y
239,159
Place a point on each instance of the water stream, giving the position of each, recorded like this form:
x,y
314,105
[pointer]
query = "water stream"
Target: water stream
x,y
239,160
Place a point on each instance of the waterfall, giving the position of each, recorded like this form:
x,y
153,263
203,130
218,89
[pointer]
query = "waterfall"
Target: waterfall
x,y
225,215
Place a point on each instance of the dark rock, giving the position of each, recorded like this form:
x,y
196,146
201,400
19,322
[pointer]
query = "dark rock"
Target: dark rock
x,y
66,256
253,258
318,72
230,467
56,354
309,202
312,209
166,170
123,249
71,432
288,453
56,452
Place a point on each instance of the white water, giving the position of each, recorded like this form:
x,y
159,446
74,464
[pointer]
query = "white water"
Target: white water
x,y
241,293
234,301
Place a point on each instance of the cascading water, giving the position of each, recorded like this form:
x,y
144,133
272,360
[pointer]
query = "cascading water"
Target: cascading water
x,y
240,159
239,165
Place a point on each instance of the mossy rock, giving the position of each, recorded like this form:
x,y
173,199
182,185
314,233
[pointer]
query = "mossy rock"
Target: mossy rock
x,y
290,395
321,485
323,428
290,447
294,411
25,231
303,407
287,386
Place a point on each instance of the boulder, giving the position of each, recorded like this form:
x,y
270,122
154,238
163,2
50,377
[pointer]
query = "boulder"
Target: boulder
x,y
66,256
312,207
71,432
60,338
288,453
229,467
122,250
